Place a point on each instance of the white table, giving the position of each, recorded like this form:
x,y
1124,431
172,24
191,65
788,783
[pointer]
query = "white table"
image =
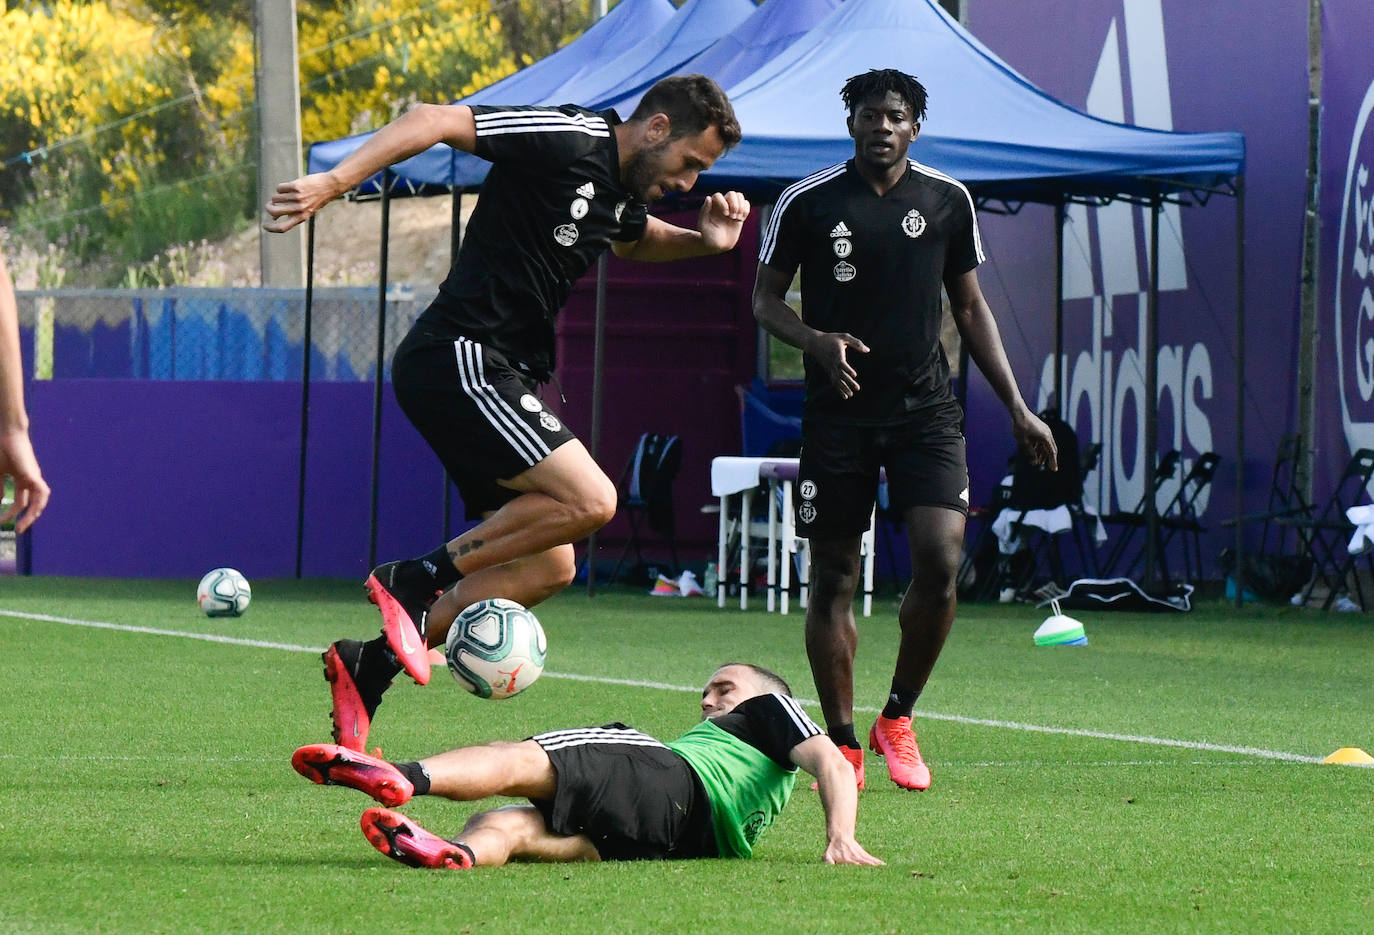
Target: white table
x,y
732,475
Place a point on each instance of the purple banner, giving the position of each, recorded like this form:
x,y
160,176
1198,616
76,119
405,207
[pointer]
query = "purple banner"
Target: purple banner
x,y
162,479
1345,397
1159,64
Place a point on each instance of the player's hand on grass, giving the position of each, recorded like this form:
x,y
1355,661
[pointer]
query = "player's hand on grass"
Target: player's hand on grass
x,y
299,200
30,490
722,217
1036,440
849,851
830,349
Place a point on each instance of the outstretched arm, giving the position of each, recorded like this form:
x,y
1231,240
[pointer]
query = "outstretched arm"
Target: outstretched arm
x,y
718,226
978,330
413,132
819,756
16,451
778,319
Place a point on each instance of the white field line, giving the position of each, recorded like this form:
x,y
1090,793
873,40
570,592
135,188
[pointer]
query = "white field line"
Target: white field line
x,y
665,686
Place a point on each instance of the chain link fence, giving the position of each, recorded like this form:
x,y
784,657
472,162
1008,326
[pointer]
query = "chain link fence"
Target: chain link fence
x,y
210,334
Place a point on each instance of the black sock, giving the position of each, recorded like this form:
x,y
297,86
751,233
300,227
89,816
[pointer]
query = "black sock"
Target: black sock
x,y
439,564
466,850
417,774
901,701
377,666
843,735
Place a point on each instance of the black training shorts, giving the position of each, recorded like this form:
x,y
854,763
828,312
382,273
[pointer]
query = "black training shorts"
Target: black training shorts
x,y
632,796
479,411
837,482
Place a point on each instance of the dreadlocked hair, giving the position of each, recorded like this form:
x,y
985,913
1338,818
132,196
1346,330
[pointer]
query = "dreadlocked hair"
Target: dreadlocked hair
x,y
877,82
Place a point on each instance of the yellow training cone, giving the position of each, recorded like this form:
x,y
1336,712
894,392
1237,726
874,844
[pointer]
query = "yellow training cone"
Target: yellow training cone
x,y
1350,755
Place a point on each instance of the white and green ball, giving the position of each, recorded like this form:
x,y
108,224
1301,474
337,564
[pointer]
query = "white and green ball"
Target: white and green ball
x,y
223,592
496,648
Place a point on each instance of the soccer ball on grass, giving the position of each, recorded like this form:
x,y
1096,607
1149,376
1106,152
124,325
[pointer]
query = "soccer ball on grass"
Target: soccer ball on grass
x,y
223,593
495,648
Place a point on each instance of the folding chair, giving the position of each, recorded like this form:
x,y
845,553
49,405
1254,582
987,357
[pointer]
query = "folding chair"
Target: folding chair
x,y
1324,534
1134,520
646,493
1285,499
1181,516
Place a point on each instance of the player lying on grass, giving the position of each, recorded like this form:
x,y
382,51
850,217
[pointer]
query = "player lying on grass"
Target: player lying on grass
x,y
613,793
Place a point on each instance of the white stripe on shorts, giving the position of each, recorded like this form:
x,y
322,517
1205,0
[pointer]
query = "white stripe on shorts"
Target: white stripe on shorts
x,y
584,736
507,422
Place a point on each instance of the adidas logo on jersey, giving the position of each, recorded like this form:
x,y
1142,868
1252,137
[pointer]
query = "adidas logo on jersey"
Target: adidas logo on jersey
x,y
840,231
586,190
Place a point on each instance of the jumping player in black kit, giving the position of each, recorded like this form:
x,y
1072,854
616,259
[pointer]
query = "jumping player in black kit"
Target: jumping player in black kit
x,y
565,184
875,238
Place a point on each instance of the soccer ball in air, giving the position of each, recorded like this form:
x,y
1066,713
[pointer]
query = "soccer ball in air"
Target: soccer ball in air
x,y
223,593
496,648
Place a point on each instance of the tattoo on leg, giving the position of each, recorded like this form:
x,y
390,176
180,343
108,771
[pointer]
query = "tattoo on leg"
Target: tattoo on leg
x,y
465,548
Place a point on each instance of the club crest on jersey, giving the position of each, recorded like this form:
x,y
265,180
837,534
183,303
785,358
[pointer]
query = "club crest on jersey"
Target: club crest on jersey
x,y
842,247
549,421
586,190
578,209
807,490
844,271
530,403
565,234
913,225
840,230
807,512
619,210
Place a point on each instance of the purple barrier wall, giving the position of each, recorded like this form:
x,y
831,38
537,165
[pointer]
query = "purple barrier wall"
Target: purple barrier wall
x,y
1345,388
162,478
167,479
1167,64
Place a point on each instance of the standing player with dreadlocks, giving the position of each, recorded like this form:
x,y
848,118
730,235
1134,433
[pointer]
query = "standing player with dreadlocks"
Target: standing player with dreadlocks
x,y
875,238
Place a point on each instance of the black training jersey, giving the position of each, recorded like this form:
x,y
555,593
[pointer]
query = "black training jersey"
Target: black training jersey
x,y
772,724
873,265
551,205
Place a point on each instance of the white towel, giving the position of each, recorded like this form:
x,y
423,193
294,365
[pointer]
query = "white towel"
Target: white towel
x,y
1362,518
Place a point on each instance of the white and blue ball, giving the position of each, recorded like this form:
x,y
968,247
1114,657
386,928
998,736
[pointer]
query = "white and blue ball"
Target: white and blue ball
x,y
223,592
496,648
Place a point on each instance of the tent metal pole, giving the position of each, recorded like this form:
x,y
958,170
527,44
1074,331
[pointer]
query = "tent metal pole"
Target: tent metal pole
x,y
380,368
305,390
1059,394
1240,390
598,372
1151,401
455,241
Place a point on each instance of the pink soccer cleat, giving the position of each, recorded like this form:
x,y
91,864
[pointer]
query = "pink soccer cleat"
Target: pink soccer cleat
x,y
894,740
401,839
404,606
332,765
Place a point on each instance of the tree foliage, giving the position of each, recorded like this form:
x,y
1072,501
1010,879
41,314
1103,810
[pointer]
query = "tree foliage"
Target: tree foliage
x,y
129,125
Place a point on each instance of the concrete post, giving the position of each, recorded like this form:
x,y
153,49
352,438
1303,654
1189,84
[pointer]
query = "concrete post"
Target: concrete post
x,y
279,133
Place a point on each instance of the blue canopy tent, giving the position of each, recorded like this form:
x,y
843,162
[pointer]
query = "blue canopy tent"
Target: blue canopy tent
x,y
771,28
990,127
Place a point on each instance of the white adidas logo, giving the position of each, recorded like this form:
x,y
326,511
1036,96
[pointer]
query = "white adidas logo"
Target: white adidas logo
x,y
840,231
586,190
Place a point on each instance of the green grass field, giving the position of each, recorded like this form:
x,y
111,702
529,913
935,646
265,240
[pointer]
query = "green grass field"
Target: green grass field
x,y
1164,778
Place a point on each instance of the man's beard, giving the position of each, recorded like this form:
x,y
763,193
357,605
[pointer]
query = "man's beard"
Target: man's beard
x,y
641,173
